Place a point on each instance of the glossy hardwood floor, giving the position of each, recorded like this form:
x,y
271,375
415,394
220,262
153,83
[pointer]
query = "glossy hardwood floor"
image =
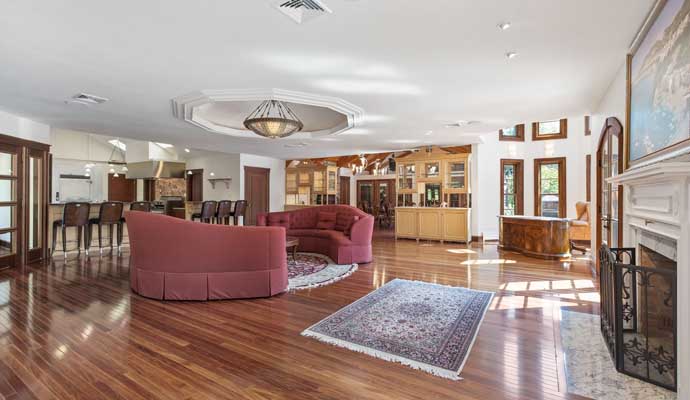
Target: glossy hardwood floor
x,y
74,330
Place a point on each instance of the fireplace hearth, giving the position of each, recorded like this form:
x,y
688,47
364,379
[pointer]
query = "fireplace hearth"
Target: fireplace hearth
x,y
638,313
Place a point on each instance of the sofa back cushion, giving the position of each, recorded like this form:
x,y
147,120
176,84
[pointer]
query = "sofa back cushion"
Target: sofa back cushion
x,y
303,219
327,220
279,219
353,219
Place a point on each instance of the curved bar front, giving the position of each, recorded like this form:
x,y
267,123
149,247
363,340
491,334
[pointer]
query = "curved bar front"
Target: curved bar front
x,y
540,237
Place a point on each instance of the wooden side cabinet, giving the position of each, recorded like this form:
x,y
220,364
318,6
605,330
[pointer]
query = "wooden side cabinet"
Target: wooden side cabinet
x,y
427,223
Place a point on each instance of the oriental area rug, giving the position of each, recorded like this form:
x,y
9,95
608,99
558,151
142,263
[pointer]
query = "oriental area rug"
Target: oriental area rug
x,y
310,270
422,325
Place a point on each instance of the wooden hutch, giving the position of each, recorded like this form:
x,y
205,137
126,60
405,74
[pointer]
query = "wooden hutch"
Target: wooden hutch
x,y
310,184
434,196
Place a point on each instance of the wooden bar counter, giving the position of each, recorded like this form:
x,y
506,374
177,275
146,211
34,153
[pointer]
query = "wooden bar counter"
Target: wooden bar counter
x,y
433,223
540,237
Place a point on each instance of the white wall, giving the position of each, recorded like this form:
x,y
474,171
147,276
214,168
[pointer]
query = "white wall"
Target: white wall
x,y
277,177
613,104
486,185
24,128
223,166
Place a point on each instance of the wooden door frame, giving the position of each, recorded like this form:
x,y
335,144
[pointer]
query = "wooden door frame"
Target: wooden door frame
x,y
189,185
562,184
267,172
612,126
519,184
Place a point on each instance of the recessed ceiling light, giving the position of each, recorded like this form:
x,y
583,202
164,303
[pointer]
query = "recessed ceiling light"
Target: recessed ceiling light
x,y
187,150
504,26
460,123
428,133
511,54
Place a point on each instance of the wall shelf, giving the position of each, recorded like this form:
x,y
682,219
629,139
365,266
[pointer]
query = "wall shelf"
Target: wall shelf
x,y
213,182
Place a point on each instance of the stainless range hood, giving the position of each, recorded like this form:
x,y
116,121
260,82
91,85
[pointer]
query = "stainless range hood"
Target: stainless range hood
x,y
155,170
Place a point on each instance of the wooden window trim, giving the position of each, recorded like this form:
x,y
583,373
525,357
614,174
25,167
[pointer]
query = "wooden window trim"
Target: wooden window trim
x,y
588,178
519,185
563,134
588,126
519,132
562,184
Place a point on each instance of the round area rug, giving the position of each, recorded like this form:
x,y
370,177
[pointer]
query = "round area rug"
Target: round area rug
x,y
310,270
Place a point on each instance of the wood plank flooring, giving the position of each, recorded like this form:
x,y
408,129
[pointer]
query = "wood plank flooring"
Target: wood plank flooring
x,y
73,330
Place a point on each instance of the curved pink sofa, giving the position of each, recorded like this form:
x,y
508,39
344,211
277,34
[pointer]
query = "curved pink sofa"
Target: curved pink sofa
x,y
344,244
174,259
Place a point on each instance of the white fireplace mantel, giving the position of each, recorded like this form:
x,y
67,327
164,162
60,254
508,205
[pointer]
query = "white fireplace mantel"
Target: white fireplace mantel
x,y
656,210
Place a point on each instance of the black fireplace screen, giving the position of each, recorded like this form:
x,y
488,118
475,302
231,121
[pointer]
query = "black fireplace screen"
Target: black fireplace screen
x,y
638,317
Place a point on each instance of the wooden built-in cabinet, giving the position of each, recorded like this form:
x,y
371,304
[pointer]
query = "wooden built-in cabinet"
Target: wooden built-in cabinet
x,y
433,195
311,184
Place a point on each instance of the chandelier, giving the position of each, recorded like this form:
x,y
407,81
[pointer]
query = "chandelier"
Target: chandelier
x,y
273,119
359,169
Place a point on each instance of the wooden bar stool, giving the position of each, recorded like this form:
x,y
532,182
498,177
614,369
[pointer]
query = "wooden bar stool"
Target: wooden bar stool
x,y
144,206
76,215
208,212
224,212
110,214
239,211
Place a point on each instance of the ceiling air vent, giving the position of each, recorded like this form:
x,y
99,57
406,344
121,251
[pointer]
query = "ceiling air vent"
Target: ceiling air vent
x,y
302,10
87,99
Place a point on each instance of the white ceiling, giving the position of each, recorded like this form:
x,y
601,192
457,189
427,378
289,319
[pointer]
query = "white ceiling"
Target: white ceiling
x,y
412,66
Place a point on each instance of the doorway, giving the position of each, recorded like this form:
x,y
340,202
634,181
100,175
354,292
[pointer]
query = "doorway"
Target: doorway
x,y
372,194
609,197
344,196
256,192
195,184
24,194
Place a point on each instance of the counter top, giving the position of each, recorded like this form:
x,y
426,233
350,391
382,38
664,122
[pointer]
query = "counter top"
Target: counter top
x,y
93,203
432,208
532,218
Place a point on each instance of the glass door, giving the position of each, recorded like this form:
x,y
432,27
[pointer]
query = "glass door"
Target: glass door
x,y
609,196
10,162
37,191
365,196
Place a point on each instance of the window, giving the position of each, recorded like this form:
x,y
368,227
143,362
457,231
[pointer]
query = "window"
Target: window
x,y
549,187
512,184
547,130
515,133
588,177
588,127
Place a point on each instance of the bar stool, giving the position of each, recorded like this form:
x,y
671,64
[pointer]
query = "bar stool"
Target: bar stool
x,y
144,206
224,212
239,211
76,215
110,214
208,211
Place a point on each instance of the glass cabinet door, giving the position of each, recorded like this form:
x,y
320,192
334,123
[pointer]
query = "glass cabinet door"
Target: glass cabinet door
x,y
319,181
406,178
432,170
332,180
291,182
9,234
455,178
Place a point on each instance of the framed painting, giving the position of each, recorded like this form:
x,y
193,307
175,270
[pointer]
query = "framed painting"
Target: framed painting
x,y
659,86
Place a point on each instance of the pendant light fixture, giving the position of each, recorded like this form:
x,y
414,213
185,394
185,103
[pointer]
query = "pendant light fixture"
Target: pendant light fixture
x,y
273,119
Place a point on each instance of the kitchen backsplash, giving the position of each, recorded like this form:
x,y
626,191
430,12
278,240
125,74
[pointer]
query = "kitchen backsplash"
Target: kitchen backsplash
x,y
170,187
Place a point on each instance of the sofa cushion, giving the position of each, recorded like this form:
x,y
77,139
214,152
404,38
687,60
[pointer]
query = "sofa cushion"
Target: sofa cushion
x,y
279,219
343,220
326,220
303,219
348,228
335,236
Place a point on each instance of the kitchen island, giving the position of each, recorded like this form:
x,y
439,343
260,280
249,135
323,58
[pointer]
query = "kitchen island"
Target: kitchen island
x,y
541,237
450,224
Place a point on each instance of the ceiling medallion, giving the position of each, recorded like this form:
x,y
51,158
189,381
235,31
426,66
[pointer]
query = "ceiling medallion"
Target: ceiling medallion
x,y
273,119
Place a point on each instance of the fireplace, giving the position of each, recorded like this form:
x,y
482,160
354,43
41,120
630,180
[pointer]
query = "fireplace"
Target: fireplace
x,y
646,286
638,313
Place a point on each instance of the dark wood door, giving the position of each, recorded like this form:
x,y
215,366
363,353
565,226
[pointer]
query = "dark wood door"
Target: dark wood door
x,y
609,197
256,192
121,189
372,193
344,196
195,185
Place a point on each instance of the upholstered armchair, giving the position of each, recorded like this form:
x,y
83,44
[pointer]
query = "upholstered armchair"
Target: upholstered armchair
x,y
580,228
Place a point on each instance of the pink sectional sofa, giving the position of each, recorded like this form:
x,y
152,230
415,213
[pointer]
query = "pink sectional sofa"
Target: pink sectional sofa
x,y
174,259
341,232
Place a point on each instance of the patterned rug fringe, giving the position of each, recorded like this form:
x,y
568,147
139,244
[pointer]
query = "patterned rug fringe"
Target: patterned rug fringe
x,y
328,282
353,268
440,372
